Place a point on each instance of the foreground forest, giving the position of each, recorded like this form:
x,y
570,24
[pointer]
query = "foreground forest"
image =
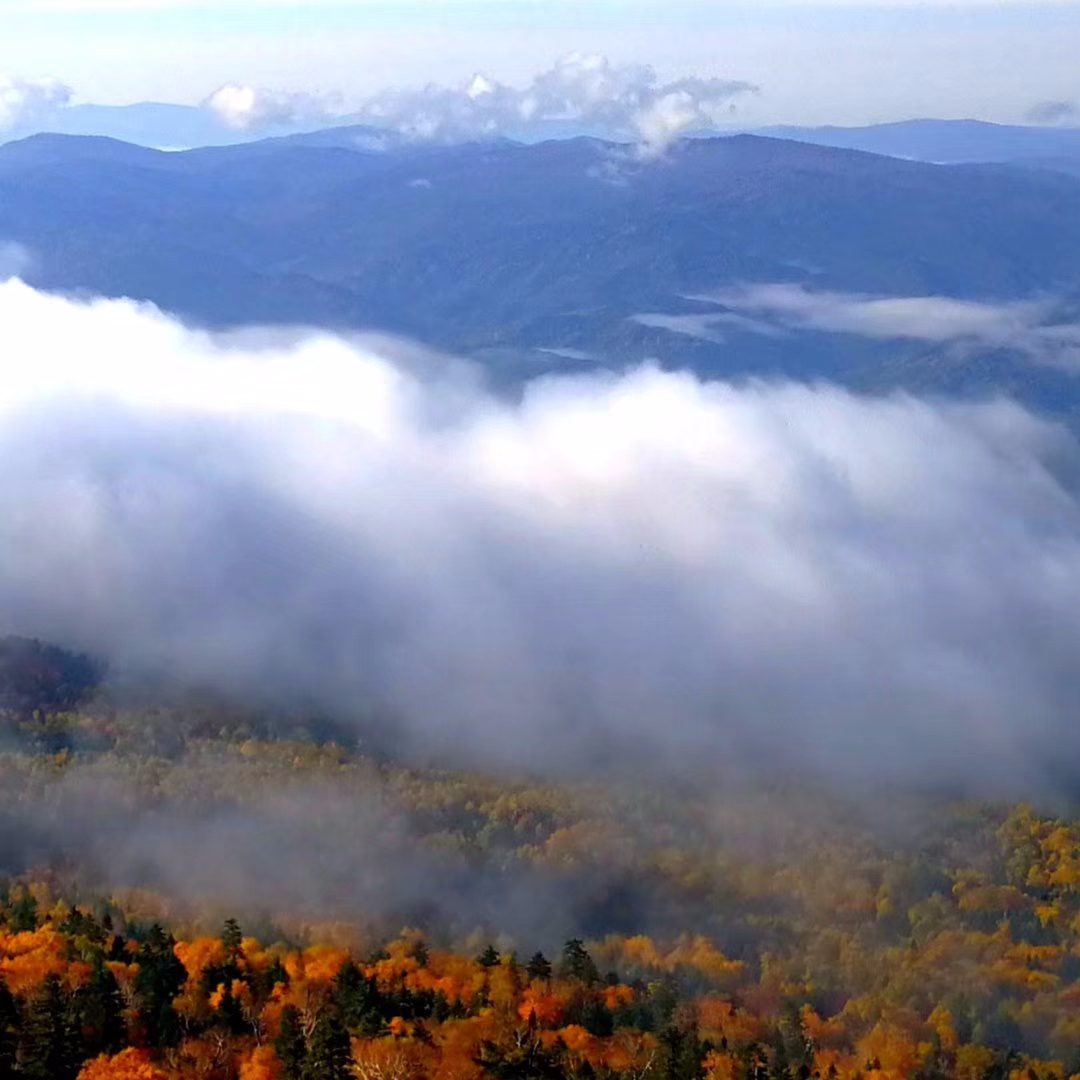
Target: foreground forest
x,y
200,891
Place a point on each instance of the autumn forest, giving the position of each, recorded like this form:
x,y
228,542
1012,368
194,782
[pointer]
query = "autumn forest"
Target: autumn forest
x,y
197,890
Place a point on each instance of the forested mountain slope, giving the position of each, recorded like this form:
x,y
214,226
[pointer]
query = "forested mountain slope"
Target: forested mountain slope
x,y
563,253
417,923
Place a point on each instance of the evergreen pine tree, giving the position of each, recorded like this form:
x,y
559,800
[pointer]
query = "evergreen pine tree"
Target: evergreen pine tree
x,y
161,976
578,964
539,967
23,914
358,1001
290,1045
9,1032
49,1048
99,1012
681,1050
233,939
489,957
524,1056
329,1054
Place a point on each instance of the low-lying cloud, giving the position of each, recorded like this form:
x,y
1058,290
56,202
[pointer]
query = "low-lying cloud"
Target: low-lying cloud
x,y
636,567
1031,327
319,848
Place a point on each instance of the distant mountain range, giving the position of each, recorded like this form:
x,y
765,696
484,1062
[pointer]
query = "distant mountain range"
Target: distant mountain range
x,y
731,256
186,127
150,124
950,142
166,126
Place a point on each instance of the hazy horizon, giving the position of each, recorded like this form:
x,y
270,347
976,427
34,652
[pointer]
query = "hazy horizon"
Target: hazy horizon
x,y
813,62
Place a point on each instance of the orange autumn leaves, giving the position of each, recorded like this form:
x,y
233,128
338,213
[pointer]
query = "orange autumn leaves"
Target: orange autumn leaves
x,y
28,958
127,1065
1009,929
498,1004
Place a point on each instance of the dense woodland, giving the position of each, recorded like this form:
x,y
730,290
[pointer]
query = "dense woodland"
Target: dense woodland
x,y
764,931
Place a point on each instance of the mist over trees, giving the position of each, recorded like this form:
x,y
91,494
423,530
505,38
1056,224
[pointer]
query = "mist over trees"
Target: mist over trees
x,y
38,678
276,907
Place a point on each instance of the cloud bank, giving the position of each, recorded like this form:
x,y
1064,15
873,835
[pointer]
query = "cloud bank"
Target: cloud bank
x,y
587,90
584,89
630,101
29,101
637,568
249,108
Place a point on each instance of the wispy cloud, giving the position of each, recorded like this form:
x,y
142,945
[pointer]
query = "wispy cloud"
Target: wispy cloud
x,y
15,260
1054,112
1031,327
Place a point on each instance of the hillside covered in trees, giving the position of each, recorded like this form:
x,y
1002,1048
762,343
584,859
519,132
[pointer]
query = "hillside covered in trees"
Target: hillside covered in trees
x,y
199,891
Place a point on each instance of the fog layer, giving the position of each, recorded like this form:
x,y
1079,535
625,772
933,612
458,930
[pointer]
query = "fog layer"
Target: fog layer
x,y
642,567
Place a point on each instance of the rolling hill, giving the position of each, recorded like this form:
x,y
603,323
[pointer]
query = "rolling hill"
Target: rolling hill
x,y
563,254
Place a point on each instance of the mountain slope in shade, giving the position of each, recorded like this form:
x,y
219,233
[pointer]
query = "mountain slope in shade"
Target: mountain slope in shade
x,y
547,256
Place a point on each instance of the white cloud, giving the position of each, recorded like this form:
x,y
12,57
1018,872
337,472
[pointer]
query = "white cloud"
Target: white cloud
x,y
26,101
587,89
1029,327
704,574
250,108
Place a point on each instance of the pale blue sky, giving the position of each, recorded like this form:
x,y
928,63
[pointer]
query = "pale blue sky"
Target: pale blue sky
x,y
835,62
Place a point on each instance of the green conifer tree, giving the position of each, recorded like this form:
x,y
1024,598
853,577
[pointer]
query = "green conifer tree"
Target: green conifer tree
x,y
9,1032
329,1054
50,1045
290,1045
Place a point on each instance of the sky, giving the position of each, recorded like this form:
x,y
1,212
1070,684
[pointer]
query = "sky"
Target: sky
x,y
814,62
